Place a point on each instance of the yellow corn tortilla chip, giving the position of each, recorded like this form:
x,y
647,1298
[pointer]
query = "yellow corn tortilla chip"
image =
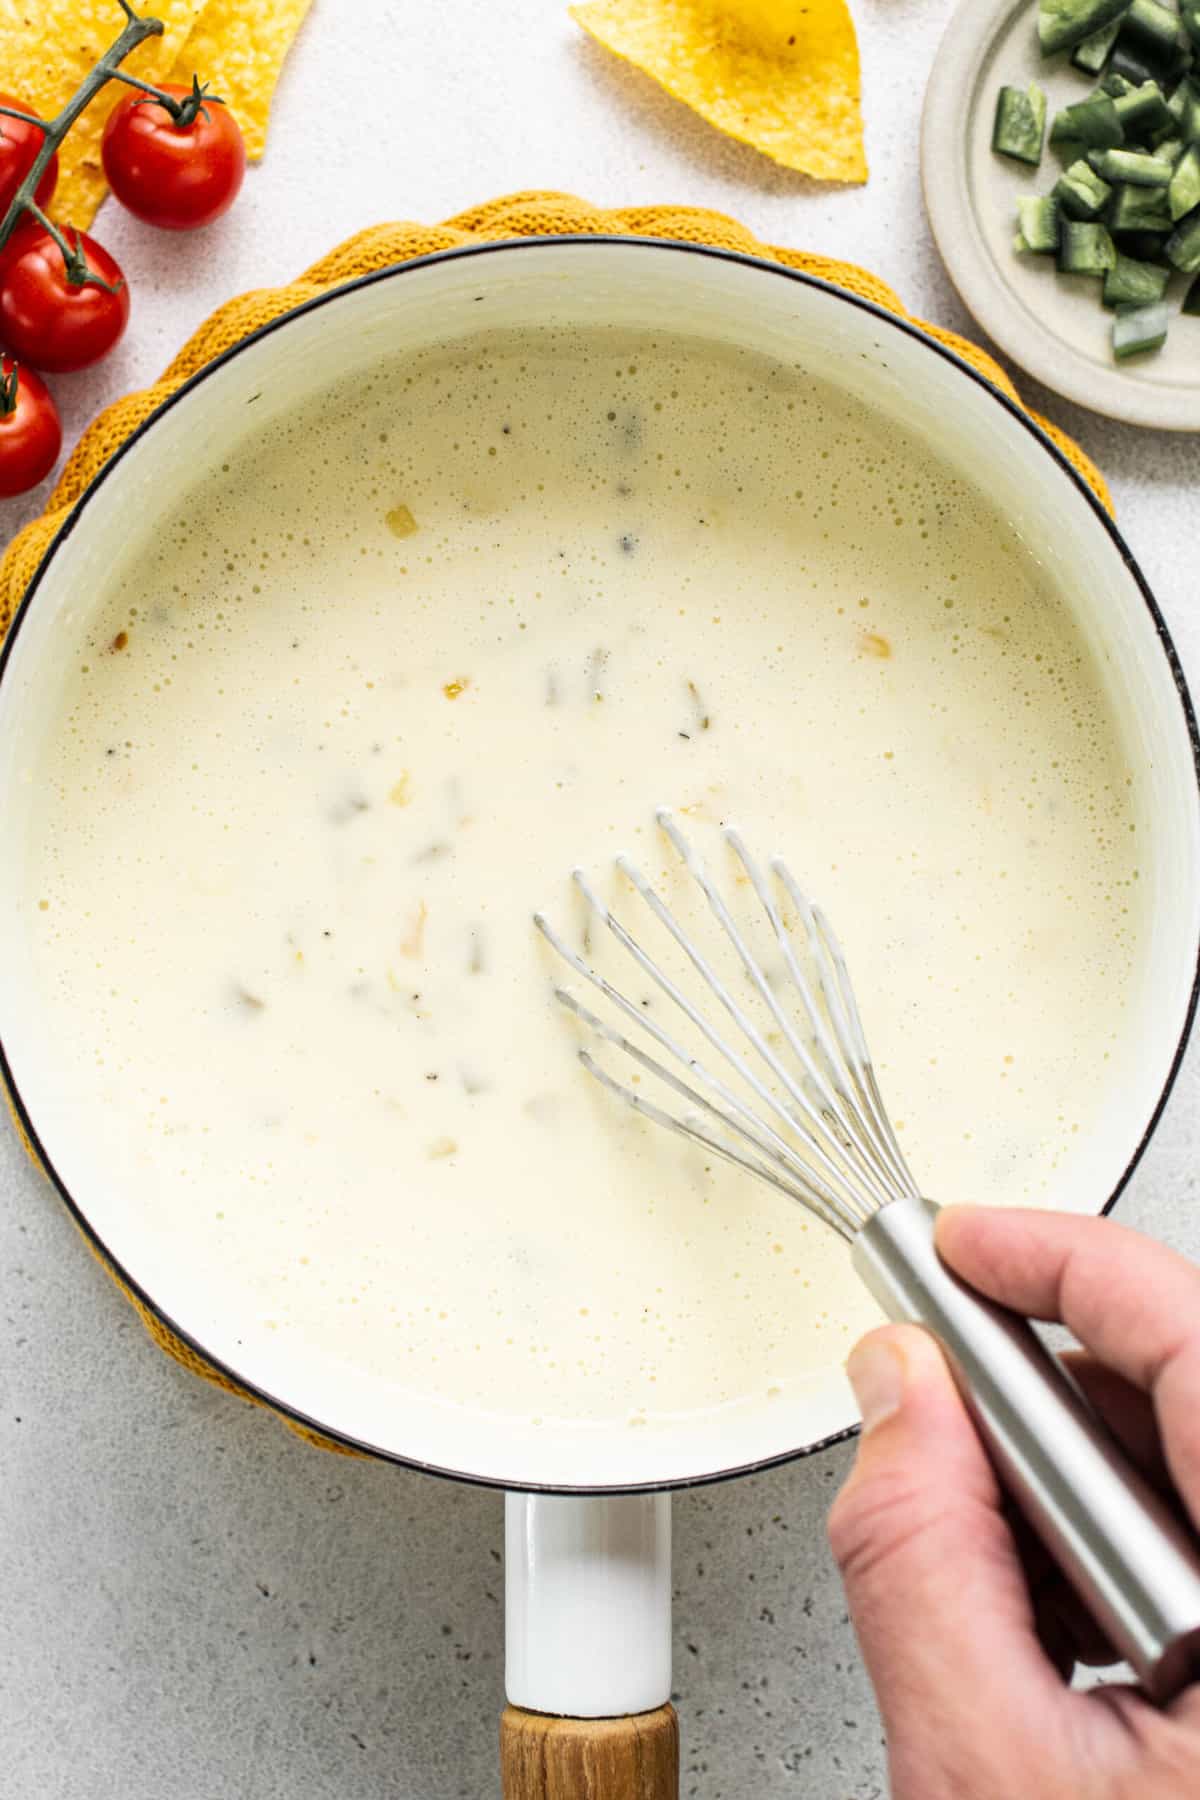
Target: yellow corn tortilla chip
x,y
782,75
46,49
238,47
78,194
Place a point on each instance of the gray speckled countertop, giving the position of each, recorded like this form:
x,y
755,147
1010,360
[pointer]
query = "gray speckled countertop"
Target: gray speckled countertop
x,y
197,1606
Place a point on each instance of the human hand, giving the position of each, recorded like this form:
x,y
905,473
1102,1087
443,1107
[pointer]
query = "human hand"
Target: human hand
x,y
968,1631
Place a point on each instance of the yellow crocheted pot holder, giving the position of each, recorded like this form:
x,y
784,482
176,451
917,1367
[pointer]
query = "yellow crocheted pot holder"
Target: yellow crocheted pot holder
x,y
533,214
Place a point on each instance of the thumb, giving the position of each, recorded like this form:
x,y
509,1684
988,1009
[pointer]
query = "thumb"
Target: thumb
x,y
935,1586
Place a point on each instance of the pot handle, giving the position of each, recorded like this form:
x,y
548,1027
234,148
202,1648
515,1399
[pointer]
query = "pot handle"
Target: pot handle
x,y
544,1758
588,1649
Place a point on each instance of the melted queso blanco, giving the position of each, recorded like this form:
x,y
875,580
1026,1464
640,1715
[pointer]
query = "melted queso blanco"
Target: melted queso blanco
x,y
385,678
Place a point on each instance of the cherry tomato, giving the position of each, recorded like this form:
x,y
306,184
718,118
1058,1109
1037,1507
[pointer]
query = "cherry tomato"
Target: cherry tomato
x,y
19,144
45,318
176,176
30,433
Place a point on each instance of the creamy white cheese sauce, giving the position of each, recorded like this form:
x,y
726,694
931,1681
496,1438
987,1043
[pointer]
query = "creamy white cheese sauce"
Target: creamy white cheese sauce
x,y
395,669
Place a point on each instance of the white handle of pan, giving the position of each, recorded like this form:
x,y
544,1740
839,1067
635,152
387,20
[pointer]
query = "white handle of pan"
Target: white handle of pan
x,y
588,1603
588,1620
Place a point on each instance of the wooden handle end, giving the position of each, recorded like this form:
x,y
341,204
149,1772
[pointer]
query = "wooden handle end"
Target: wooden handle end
x,y
545,1758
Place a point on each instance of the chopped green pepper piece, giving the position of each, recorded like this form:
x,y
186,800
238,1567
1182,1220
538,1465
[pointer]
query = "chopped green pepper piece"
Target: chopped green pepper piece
x,y
1191,300
1115,85
1154,34
1133,166
1140,329
1084,248
1092,122
1130,283
1189,13
1081,193
1184,191
1169,150
1064,23
1020,123
1142,110
1037,225
1138,209
1182,248
1092,54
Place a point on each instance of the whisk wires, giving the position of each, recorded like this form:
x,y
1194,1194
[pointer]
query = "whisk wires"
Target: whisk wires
x,y
815,1126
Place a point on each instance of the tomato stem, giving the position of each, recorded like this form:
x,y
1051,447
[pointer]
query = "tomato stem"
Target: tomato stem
x,y
35,212
9,383
14,112
183,112
147,87
55,130
135,32
75,262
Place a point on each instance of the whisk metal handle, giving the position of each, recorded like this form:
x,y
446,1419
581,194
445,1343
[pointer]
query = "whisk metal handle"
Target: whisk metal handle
x,y
1130,1560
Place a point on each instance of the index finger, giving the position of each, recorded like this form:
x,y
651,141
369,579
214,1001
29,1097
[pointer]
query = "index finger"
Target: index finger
x,y
1133,1303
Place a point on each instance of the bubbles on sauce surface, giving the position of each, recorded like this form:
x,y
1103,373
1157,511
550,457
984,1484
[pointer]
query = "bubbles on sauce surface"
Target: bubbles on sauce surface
x,y
372,692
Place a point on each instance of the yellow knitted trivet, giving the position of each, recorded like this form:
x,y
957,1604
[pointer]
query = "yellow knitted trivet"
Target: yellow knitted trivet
x,y
533,214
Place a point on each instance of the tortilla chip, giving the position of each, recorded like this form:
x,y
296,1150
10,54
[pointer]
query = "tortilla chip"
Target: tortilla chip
x,y
238,47
782,75
46,49
78,194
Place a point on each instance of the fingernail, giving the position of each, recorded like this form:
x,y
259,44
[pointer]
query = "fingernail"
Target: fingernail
x,y
876,1371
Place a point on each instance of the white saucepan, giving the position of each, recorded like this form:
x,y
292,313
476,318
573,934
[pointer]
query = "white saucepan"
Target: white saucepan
x,y
588,1527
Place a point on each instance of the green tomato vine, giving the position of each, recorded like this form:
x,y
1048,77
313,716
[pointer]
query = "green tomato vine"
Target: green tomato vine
x,y
183,111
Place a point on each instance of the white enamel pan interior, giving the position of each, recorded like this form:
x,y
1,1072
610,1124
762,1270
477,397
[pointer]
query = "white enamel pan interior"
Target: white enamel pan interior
x,y
657,287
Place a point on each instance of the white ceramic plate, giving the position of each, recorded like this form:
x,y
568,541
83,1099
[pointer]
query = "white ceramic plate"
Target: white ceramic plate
x,y
1052,325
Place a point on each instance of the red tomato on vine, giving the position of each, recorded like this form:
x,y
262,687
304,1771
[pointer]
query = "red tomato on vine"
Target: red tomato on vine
x,y
176,172
30,433
54,312
19,145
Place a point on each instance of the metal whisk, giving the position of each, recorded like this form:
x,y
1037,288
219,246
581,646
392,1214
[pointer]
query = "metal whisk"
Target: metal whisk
x,y
851,1162
815,1128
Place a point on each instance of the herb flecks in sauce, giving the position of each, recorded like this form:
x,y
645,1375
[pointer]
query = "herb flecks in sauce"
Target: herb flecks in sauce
x,y
348,807
590,1257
